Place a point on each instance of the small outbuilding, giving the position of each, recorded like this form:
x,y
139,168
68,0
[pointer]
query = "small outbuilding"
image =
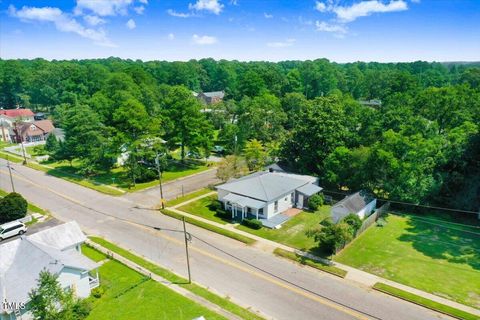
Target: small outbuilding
x,y
360,203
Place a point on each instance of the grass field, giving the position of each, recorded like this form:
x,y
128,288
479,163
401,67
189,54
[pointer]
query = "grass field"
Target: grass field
x,y
225,303
293,233
116,181
129,295
431,255
201,208
189,196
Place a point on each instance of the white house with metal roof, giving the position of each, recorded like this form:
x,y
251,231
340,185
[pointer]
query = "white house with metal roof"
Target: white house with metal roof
x,y
360,203
56,250
265,195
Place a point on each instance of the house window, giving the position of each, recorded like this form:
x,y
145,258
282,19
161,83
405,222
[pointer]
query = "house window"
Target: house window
x,y
275,208
260,212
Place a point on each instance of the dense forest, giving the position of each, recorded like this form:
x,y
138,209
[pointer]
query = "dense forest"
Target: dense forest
x,y
421,145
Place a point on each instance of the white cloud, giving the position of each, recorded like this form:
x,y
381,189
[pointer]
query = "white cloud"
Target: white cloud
x,y
139,9
268,16
366,8
62,21
93,20
338,29
174,13
282,44
171,36
105,7
213,6
320,6
204,40
131,24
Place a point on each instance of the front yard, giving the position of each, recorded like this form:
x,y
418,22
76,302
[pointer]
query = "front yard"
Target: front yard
x,y
431,255
293,233
115,181
129,295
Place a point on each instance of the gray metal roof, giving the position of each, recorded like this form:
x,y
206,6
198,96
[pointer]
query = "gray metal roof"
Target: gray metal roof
x,y
351,204
309,189
61,237
219,94
267,186
244,201
23,259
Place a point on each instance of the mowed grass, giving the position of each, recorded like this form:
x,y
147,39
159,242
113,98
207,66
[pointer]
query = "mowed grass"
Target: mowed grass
x,y
187,197
130,295
293,233
433,256
201,208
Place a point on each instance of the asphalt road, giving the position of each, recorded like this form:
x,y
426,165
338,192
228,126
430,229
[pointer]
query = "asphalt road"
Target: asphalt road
x,y
248,275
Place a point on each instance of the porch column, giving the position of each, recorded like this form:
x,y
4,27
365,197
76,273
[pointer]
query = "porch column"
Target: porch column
x,y
233,211
257,213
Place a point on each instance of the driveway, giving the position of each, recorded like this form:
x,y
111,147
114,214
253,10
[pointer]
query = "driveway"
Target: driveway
x,y
39,226
248,275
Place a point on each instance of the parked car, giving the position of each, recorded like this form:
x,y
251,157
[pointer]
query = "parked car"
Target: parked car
x,y
218,149
11,229
193,155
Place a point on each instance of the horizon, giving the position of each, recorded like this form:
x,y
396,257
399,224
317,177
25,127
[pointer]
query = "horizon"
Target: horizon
x,y
342,31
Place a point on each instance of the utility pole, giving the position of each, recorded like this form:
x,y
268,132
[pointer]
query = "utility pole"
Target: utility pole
x,y
157,162
10,171
187,236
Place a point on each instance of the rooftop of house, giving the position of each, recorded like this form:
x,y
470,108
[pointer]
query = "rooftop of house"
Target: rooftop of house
x,y
23,259
267,186
46,126
355,202
16,113
214,94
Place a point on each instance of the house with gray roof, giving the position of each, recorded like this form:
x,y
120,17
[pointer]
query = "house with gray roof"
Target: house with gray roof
x,y
266,195
209,98
360,203
56,250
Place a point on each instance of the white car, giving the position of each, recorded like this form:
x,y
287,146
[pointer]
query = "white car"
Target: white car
x,y
11,229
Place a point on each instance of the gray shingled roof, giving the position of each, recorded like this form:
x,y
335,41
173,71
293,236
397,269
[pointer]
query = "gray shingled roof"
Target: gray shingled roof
x,y
351,204
266,186
309,189
212,94
244,201
23,259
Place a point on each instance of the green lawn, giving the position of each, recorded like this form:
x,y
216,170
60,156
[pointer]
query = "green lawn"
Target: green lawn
x,y
201,208
225,303
115,181
93,254
439,258
129,295
293,232
189,196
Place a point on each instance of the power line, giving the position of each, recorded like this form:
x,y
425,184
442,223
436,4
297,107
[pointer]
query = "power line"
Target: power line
x,y
410,204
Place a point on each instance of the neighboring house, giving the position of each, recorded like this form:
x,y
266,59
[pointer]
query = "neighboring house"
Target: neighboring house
x,y
209,98
360,203
264,195
374,103
33,131
25,115
8,118
57,250
5,128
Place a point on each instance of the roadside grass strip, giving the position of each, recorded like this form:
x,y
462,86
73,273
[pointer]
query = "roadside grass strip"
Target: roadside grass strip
x,y
10,157
204,225
193,195
222,302
309,262
424,302
75,179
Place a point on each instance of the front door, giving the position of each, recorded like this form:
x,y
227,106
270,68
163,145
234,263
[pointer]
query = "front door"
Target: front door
x,y
300,201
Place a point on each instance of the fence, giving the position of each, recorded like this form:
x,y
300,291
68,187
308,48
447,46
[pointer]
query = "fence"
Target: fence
x,y
373,218
367,223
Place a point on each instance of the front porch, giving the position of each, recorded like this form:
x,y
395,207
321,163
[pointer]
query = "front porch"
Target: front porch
x,y
93,279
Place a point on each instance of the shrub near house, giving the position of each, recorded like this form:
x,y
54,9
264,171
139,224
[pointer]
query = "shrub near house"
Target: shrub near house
x,y
13,206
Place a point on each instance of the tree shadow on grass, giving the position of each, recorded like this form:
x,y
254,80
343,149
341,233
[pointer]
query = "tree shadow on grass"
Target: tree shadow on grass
x,y
442,242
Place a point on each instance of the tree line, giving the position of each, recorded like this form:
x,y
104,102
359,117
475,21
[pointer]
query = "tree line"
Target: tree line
x,y
421,144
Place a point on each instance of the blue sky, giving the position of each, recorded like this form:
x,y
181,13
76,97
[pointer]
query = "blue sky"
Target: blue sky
x,y
340,30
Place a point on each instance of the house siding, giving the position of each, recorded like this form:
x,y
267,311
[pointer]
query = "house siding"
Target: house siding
x,y
284,203
77,279
367,209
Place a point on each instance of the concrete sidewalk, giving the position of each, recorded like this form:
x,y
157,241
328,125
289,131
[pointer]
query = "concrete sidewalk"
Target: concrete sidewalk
x,y
355,275
184,292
